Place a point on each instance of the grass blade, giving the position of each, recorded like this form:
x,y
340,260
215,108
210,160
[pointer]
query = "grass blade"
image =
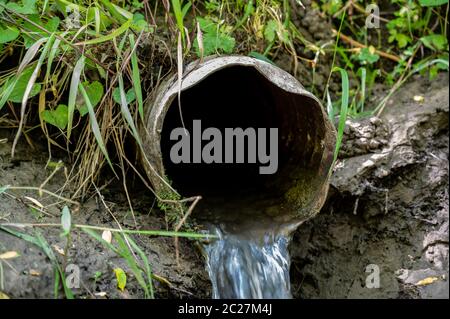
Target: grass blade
x,y
330,109
363,89
29,55
75,81
126,112
124,27
28,89
127,254
144,258
176,5
136,78
94,125
40,241
51,57
344,109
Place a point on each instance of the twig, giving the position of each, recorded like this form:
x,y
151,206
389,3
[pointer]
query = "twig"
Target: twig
x,y
42,190
399,82
360,45
182,221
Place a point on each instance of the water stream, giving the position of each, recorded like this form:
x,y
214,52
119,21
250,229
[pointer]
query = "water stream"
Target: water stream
x,y
242,267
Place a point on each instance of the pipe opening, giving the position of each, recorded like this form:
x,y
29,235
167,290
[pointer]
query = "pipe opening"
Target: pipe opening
x,y
240,96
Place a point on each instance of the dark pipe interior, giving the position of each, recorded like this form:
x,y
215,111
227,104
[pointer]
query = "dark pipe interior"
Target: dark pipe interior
x,y
240,96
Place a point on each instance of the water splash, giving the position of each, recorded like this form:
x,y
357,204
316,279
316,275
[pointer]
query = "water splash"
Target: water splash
x,y
242,268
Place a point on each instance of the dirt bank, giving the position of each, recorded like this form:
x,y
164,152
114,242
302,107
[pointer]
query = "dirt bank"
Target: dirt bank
x,y
31,274
388,206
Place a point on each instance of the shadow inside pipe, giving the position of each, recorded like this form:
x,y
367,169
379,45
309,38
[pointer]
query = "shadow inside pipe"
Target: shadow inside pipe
x,y
240,96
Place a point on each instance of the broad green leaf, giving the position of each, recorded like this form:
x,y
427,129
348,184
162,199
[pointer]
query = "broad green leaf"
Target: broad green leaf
x,y
368,56
214,39
27,7
21,85
207,25
117,12
32,32
402,40
435,42
66,221
130,95
94,91
121,278
57,117
139,23
432,3
8,87
8,34
270,30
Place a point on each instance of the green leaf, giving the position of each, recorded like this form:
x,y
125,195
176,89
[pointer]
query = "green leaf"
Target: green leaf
x,y
27,7
270,31
126,111
402,40
130,95
58,117
367,56
101,20
8,34
139,23
32,32
121,278
66,221
432,3
21,85
435,42
94,125
215,39
260,56
344,109
95,93
74,84
207,25
124,27
136,79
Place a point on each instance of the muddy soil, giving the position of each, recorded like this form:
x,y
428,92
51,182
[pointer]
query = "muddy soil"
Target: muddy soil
x,y
387,209
31,274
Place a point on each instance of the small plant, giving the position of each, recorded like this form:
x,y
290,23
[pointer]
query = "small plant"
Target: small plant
x,y
216,38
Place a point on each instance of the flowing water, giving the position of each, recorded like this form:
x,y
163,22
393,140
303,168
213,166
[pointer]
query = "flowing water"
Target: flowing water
x,y
242,266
